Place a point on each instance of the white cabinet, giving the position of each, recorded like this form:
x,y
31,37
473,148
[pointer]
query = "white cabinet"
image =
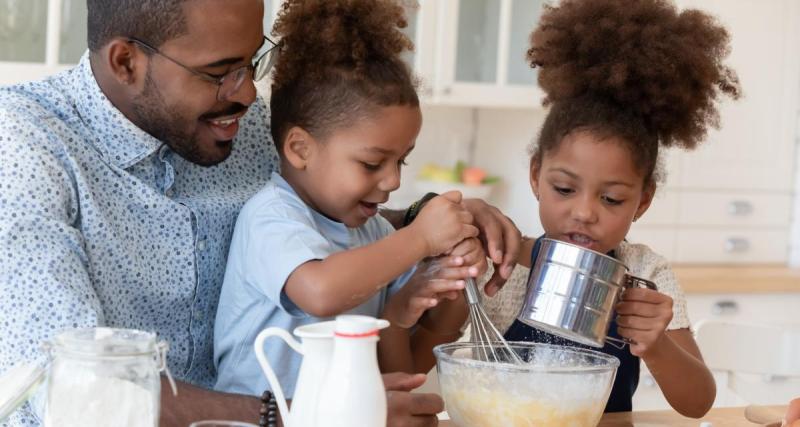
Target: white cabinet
x,y
39,37
730,201
468,52
481,47
472,52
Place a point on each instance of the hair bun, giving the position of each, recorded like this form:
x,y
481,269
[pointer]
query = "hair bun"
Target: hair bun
x,y
345,35
643,56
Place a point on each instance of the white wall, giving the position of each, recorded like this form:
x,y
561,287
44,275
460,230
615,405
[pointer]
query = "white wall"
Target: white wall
x,y
503,139
494,139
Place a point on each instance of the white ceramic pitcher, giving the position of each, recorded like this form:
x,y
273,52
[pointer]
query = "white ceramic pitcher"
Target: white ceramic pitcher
x,y
317,350
353,389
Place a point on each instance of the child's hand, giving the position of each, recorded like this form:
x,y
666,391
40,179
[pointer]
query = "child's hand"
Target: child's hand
x,y
443,223
434,281
449,315
642,317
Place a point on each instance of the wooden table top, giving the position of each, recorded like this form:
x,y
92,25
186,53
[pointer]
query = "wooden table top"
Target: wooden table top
x,y
718,417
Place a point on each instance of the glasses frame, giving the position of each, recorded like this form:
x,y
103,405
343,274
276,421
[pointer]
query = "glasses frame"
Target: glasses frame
x,y
260,65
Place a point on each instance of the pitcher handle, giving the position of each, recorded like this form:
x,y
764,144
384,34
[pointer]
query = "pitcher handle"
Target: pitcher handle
x,y
277,391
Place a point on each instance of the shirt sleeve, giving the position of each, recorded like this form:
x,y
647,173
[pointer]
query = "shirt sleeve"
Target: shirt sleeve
x,y
279,240
44,280
384,228
644,263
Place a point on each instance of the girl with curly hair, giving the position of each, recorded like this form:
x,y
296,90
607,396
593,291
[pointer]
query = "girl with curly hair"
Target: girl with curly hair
x,y
624,79
310,245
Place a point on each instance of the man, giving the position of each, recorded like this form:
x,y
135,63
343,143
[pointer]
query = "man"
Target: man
x,y
120,183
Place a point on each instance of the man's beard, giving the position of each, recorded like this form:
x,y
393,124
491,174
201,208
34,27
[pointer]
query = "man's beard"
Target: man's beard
x,y
168,126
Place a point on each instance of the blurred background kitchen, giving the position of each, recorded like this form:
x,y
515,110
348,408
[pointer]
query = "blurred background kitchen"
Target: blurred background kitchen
x,y
728,215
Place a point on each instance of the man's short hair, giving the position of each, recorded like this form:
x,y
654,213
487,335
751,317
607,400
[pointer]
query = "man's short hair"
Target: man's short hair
x,y
152,21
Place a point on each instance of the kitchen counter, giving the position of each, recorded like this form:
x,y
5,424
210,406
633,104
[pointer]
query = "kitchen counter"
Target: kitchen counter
x,y
718,417
738,279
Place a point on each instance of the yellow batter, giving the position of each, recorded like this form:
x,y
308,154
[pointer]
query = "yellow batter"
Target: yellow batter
x,y
471,407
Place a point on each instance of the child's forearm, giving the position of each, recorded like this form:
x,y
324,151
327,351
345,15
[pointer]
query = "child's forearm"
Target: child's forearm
x,y
349,278
394,350
678,368
422,343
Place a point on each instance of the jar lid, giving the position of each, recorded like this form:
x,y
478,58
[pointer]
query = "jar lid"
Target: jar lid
x,y
105,342
17,385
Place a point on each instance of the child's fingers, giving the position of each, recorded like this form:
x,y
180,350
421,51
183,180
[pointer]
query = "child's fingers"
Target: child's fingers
x,y
636,323
415,308
468,230
451,296
464,247
641,309
457,273
644,295
436,287
449,261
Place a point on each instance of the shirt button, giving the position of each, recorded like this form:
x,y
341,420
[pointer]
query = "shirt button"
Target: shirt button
x,y
169,193
198,315
201,245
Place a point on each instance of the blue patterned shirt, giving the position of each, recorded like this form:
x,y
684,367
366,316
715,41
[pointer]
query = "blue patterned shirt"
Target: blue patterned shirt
x,y
102,224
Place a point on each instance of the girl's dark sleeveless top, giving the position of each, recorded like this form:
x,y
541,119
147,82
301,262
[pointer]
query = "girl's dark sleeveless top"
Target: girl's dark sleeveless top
x,y
627,378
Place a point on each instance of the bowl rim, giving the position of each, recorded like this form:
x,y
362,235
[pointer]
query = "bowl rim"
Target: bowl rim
x,y
440,352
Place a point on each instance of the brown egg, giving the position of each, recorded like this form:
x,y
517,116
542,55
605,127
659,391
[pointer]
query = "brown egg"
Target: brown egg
x,y
795,424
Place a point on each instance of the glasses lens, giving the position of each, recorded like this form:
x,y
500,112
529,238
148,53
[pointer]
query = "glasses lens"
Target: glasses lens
x,y
233,81
266,60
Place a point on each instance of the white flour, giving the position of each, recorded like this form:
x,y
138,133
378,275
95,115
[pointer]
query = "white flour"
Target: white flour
x,y
89,401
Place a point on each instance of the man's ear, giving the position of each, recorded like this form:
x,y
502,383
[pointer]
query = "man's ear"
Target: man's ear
x,y
298,147
126,63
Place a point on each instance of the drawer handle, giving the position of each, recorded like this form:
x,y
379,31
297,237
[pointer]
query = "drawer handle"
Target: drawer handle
x,y
737,245
724,307
740,208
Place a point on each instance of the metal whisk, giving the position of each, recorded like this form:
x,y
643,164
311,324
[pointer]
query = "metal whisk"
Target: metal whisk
x,y
493,347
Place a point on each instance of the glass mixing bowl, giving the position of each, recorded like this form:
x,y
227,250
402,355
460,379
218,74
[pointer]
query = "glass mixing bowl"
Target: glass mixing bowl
x,y
556,386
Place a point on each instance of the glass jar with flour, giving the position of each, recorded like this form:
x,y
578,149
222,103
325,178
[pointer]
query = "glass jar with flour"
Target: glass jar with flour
x,y
101,377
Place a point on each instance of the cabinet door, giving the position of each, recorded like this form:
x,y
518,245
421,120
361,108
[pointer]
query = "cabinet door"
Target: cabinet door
x,y
23,40
72,40
754,149
422,31
23,25
482,46
731,246
39,38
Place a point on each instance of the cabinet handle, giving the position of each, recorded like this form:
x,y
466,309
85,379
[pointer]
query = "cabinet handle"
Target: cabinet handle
x,y
740,208
724,307
737,245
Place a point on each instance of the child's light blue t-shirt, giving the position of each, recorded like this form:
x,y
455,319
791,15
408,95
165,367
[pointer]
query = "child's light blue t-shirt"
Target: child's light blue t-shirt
x,y
275,233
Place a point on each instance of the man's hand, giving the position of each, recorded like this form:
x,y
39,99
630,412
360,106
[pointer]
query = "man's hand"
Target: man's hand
x,y
406,409
501,240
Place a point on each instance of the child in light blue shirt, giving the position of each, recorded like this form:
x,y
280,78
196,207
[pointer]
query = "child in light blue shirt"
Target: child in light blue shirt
x,y
310,245
276,232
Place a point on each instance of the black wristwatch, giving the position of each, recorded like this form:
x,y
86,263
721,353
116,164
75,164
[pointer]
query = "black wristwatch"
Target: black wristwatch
x,y
415,207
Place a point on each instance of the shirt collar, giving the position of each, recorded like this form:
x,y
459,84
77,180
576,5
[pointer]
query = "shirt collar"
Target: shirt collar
x,y
335,229
121,142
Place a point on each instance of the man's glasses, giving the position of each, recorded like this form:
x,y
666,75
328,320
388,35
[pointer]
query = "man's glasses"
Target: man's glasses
x,y
233,80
